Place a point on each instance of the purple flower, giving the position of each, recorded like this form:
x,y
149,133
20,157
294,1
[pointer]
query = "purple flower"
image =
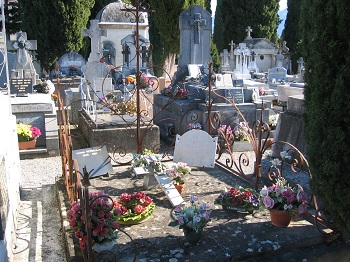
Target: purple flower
x,y
268,202
301,196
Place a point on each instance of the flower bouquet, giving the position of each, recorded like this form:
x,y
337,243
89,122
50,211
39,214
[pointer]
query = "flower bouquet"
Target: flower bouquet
x,y
283,201
27,132
133,208
192,218
178,172
104,222
282,196
191,126
239,199
241,132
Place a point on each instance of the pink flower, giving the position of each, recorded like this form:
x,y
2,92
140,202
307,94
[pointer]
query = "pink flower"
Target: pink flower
x,y
121,210
301,196
268,202
72,222
104,231
96,231
289,195
70,212
115,224
101,214
302,208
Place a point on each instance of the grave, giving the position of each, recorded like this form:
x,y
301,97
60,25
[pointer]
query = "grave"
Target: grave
x,y
195,31
38,110
70,64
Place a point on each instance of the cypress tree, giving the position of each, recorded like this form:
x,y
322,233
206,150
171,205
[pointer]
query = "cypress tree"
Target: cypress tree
x,y
56,25
325,42
236,15
292,32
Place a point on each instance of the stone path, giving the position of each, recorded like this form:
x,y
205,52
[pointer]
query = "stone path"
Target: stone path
x,y
39,228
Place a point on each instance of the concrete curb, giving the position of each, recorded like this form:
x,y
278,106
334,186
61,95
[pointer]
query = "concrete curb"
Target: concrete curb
x,y
73,253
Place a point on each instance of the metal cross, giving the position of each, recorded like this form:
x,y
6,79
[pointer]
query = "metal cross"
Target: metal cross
x,y
197,22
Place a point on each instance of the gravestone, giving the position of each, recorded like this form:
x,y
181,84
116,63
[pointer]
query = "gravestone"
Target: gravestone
x,y
23,76
195,32
242,55
278,73
96,160
235,94
95,33
71,59
38,110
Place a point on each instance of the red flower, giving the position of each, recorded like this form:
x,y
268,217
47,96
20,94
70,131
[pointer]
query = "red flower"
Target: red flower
x,y
147,201
138,195
125,197
139,209
121,210
237,201
232,192
246,195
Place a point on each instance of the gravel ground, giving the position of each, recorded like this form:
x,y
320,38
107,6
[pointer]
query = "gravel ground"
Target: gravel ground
x,y
39,231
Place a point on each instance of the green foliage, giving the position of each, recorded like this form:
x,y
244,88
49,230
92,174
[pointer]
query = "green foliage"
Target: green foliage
x,y
12,16
56,25
234,16
327,109
215,57
292,32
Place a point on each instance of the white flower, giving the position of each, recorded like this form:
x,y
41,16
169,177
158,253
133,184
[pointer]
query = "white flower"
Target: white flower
x,y
264,192
284,155
276,162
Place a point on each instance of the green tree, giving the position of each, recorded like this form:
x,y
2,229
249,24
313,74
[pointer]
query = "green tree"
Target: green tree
x,y
218,28
325,42
292,33
237,15
56,25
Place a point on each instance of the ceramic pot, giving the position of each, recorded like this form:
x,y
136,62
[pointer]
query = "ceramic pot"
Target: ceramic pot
x,y
280,218
180,188
27,145
191,236
104,246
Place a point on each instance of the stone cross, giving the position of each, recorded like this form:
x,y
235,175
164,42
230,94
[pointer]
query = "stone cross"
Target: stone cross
x,y
22,45
95,33
233,45
197,22
126,53
249,30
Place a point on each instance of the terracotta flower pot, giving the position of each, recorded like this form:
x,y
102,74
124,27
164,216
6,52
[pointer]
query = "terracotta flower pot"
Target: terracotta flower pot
x,y
180,188
280,218
27,145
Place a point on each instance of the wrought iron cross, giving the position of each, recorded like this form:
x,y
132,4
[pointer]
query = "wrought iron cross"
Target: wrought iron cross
x,y
126,53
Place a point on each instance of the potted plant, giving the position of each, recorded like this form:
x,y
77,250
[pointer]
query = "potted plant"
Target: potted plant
x,y
241,132
104,222
133,208
225,136
192,219
283,201
239,199
178,173
27,136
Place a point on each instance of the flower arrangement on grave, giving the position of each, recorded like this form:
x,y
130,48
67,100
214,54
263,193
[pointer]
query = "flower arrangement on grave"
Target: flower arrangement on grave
x,y
191,126
282,196
125,107
241,132
73,68
27,132
178,172
262,91
175,92
192,218
133,208
239,199
129,80
110,95
273,119
225,132
145,82
104,221
54,97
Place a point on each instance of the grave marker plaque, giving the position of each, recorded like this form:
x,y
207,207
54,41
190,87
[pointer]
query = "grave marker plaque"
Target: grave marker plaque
x,y
21,86
236,95
238,83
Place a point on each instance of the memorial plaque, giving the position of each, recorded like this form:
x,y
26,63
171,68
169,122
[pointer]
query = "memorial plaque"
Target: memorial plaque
x,y
238,83
235,94
95,159
21,86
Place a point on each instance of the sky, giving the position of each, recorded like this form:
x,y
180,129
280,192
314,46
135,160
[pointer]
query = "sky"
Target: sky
x,y
283,5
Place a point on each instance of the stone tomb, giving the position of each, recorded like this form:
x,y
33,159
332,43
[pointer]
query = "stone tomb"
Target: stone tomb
x,y
115,132
38,110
